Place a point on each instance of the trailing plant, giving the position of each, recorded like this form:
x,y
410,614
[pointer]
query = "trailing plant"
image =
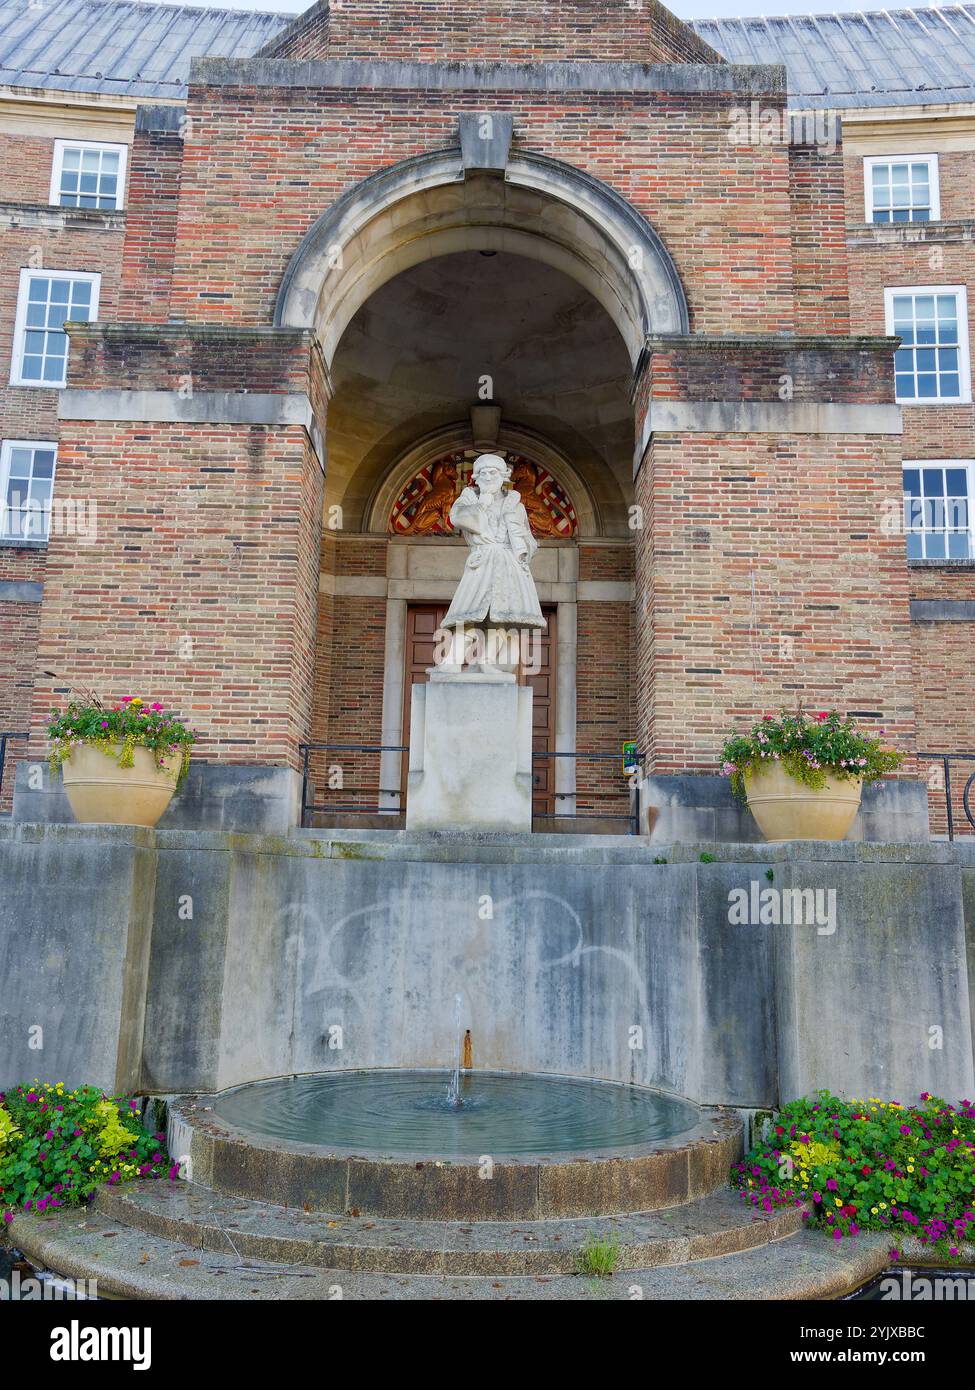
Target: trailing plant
x,y
57,1146
116,730
599,1256
870,1165
809,748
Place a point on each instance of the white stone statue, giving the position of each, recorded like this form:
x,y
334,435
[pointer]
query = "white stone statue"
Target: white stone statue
x,y
496,589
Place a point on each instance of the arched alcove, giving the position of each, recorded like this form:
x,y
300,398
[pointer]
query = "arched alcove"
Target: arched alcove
x,y
430,206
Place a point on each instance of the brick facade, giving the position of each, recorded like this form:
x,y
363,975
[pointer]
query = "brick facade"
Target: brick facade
x,y
761,569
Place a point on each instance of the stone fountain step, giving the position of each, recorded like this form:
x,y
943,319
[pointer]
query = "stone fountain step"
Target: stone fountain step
x,y
720,1224
533,1187
130,1263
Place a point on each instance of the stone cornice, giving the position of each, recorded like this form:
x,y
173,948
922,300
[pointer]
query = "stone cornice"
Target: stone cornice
x,y
560,78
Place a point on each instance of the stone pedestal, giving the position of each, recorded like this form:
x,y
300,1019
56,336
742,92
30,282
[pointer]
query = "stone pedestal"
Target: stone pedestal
x,y
470,752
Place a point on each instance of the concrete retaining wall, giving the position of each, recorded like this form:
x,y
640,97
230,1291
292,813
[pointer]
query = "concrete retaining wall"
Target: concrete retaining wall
x,y
179,961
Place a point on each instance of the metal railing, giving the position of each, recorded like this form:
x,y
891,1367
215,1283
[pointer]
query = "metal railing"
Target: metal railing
x,y
967,796
5,736
631,788
355,808
373,806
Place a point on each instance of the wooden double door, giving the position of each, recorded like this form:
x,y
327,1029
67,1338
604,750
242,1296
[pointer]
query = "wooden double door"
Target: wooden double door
x,y
422,624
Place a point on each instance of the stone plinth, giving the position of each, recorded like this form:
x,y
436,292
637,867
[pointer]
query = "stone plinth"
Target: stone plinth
x,y
470,752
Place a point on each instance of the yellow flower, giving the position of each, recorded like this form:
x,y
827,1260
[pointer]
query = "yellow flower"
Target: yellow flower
x,y
838,1201
873,1211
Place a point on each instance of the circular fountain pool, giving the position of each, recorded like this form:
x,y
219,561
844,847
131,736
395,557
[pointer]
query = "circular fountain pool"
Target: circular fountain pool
x,y
502,1113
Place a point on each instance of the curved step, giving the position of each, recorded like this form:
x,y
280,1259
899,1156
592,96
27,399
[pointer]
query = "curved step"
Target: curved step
x,y
532,1188
132,1264
720,1224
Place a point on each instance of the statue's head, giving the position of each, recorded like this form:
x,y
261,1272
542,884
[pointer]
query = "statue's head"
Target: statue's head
x,y
490,471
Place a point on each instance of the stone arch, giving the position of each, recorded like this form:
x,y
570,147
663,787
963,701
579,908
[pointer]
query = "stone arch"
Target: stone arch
x,y
431,205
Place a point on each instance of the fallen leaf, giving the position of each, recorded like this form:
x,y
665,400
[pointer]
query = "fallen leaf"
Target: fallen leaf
x,y
185,1264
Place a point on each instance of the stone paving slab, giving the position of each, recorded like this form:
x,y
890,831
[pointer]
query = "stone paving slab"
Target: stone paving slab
x,y
721,1224
132,1264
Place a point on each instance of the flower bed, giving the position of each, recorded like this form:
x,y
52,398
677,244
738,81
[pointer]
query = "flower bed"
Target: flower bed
x,y
810,749
58,1146
871,1165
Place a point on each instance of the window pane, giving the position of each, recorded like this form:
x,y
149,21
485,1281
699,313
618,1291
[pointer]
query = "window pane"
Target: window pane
x,y
20,463
44,463
933,481
912,481
914,548
934,545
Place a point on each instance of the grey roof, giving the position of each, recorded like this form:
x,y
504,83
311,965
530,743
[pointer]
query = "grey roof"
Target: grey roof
x,y
123,47
882,58
142,49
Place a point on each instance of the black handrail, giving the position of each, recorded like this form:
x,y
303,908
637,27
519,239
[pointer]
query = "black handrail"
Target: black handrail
x,y
309,808
634,815
6,734
946,759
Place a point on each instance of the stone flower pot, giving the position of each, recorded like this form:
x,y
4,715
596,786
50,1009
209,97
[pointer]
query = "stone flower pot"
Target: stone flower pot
x,y
789,810
100,792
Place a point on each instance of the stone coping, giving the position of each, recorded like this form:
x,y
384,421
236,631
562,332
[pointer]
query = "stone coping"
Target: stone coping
x,y
587,1182
353,74
487,846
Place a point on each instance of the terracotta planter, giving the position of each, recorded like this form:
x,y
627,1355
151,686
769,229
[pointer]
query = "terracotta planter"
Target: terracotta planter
x,y
788,810
100,792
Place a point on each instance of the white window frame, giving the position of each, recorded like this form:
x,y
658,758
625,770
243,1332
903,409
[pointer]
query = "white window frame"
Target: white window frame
x,y
934,183
60,146
20,322
964,365
5,450
969,467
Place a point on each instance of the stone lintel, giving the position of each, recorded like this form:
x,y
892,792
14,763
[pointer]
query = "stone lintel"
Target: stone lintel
x,y
766,417
937,610
20,591
280,409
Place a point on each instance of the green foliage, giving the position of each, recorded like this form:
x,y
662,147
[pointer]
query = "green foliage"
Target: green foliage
x,y
599,1256
706,858
117,730
770,875
659,859
809,749
57,1146
870,1165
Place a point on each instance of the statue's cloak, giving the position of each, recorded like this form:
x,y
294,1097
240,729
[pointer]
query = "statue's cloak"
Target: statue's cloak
x,y
496,585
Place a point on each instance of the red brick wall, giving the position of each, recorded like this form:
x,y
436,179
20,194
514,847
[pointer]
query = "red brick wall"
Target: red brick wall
x,y
147,258
767,579
261,165
202,589
939,253
819,240
945,690
513,31
91,241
